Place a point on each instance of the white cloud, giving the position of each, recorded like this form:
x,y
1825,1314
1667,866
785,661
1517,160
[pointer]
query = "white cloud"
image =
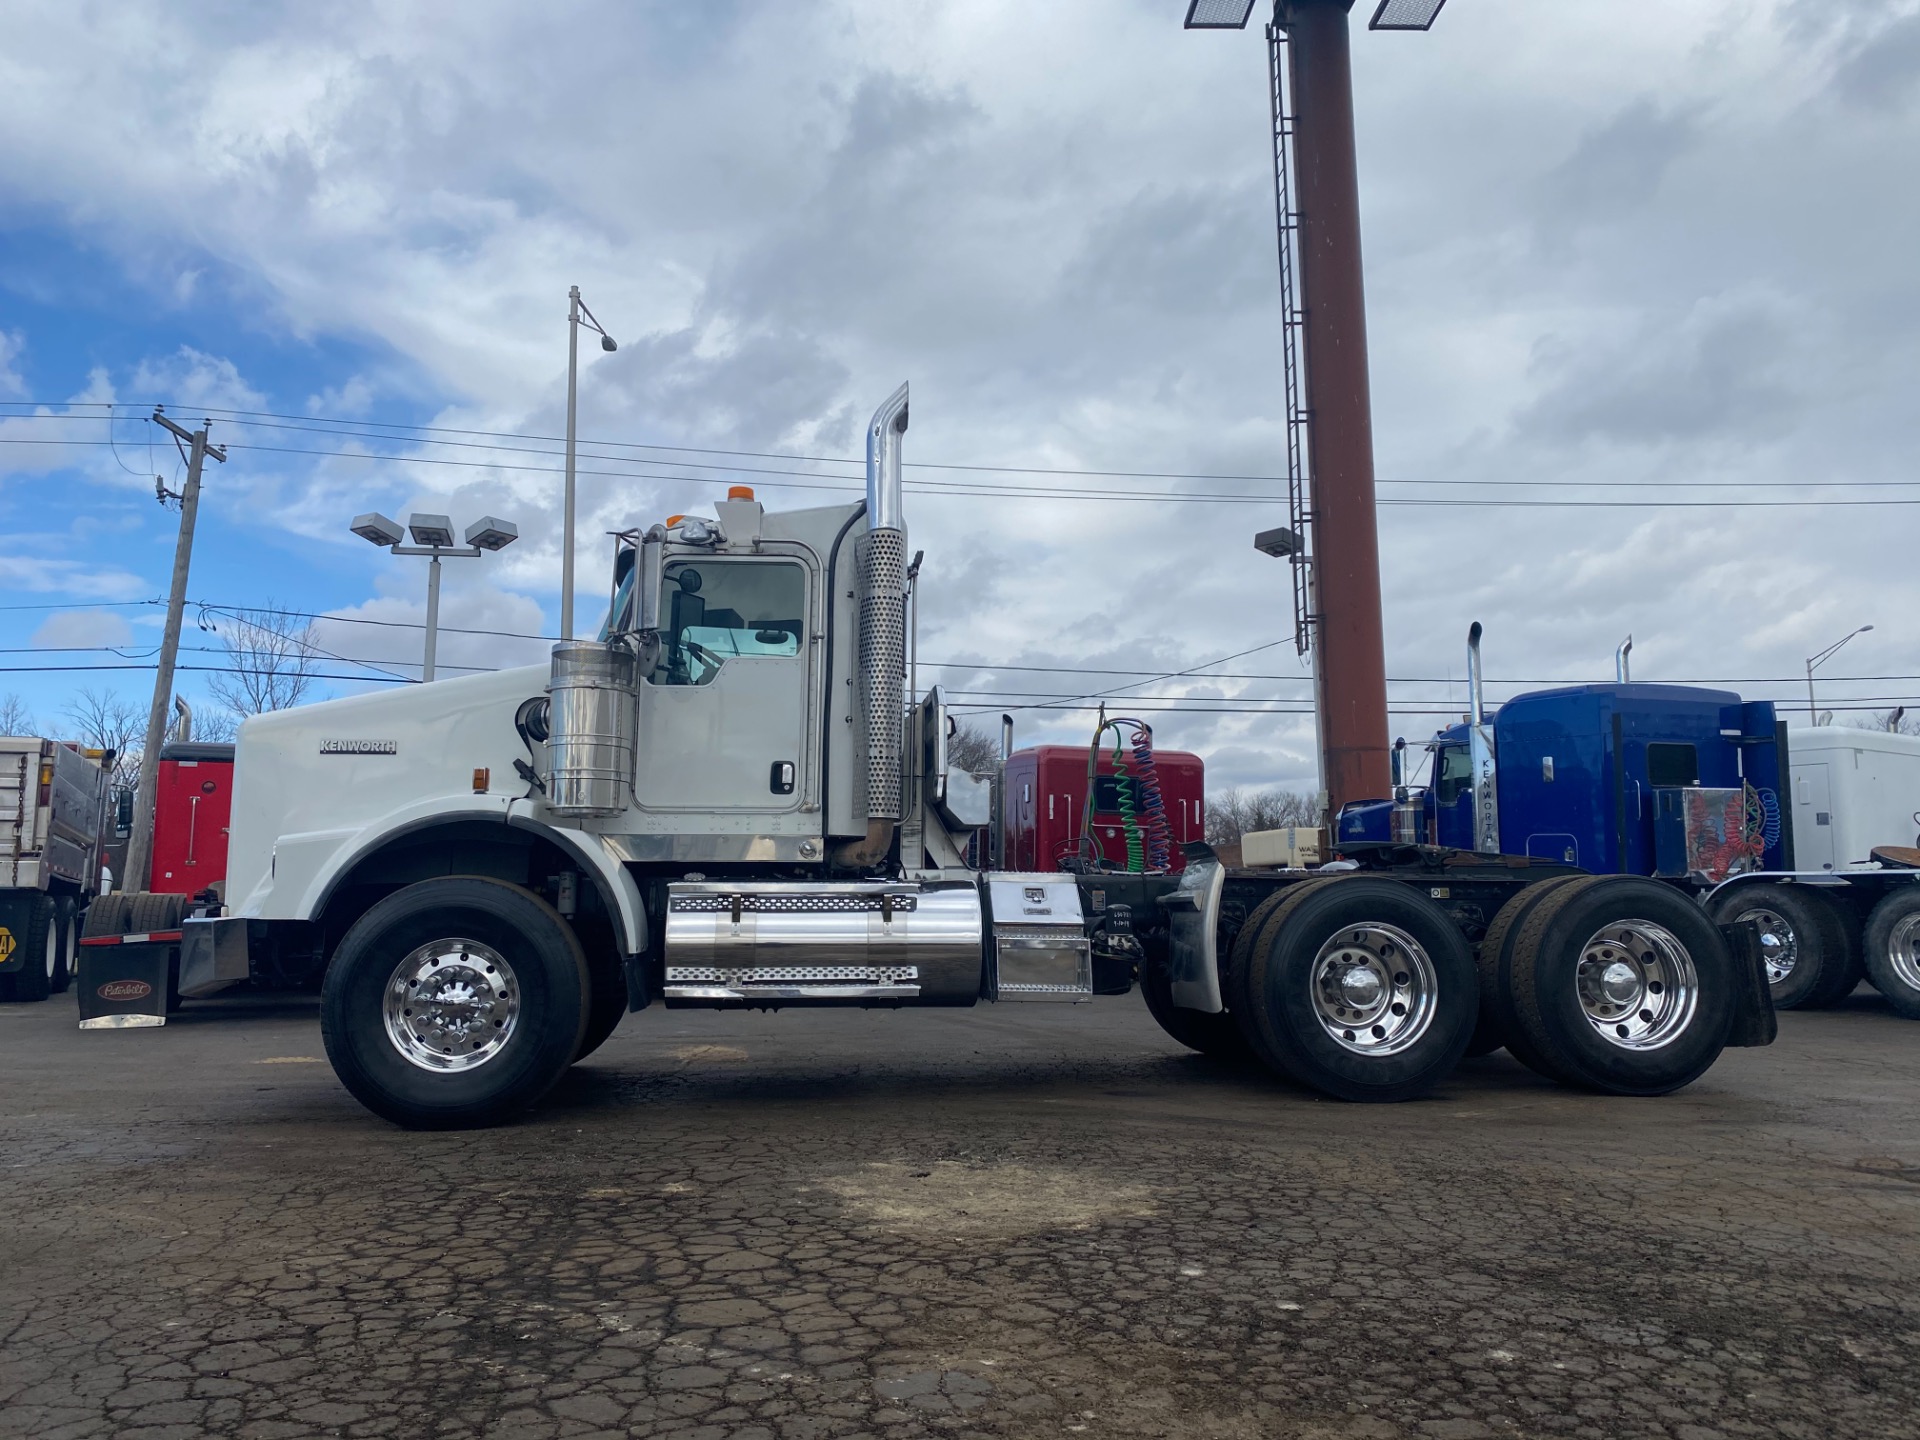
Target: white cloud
x,y
37,574
82,630
11,344
191,380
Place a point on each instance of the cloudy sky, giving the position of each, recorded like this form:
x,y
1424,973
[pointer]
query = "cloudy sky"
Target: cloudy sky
x,y
1644,320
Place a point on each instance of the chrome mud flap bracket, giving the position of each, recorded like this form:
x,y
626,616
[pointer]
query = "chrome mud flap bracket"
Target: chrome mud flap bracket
x,y
1193,915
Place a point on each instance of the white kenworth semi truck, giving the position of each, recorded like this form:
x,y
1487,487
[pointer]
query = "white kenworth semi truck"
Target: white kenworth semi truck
x,y
725,800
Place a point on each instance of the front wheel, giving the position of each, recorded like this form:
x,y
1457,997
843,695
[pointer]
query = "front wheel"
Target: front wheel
x,y
454,1002
1362,989
1893,950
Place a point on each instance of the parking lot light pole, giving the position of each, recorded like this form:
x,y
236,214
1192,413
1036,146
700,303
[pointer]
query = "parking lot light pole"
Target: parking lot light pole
x,y
576,312
1820,658
433,538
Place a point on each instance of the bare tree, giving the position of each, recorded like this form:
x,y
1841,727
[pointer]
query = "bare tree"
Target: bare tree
x,y
973,750
270,659
107,721
1234,812
15,717
1905,724
215,726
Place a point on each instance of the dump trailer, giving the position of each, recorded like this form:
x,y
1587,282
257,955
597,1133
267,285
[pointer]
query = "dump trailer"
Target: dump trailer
x,y
1806,832
53,821
726,799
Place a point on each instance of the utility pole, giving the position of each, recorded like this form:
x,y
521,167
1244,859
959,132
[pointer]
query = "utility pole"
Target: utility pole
x,y
140,843
566,520
1352,667
577,315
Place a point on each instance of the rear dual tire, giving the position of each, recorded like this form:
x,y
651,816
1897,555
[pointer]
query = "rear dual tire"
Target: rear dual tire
x,y
38,949
1811,962
1360,988
1617,984
1893,949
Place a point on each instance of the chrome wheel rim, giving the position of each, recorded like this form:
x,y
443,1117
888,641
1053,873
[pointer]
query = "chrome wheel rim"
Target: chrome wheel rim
x,y
1637,985
1778,946
1373,989
1903,951
53,951
451,1005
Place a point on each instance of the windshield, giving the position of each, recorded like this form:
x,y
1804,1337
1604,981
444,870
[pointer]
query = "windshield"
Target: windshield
x,y
621,599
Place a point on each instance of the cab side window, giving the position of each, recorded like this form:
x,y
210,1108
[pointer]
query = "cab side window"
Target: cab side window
x,y
717,611
1456,774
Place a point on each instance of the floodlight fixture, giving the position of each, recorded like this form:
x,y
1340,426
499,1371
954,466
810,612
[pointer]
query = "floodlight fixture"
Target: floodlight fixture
x,y
377,529
1281,542
1218,14
492,533
431,530
1405,14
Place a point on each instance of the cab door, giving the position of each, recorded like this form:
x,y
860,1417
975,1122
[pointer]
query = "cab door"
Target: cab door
x,y
724,716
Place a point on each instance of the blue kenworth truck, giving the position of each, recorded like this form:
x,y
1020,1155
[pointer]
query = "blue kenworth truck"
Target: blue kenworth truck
x,y
1690,786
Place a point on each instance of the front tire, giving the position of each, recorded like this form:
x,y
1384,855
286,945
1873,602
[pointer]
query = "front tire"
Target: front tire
x,y
1622,985
1362,989
1893,950
454,1002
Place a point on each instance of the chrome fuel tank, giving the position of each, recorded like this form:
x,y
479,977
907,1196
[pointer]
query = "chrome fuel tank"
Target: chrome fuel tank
x,y
780,943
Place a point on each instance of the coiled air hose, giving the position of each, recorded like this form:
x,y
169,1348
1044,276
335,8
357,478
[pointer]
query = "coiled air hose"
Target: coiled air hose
x,y
1143,811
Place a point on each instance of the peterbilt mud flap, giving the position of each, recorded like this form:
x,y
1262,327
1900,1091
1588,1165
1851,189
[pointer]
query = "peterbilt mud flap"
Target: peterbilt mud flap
x,y
123,979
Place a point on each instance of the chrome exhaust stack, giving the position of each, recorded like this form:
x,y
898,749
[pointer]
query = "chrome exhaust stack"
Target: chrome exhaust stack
x,y
883,634
1486,798
1621,670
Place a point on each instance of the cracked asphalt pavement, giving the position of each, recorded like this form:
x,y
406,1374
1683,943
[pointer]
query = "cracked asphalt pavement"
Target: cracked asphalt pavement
x,y
1014,1221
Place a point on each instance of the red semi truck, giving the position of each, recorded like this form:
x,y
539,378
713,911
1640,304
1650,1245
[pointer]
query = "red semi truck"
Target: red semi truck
x,y
1043,804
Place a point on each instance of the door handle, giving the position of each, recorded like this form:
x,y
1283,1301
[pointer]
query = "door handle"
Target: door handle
x,y
193,825
780,777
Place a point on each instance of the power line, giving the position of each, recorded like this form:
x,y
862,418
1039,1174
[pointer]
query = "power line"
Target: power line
x,y
983,490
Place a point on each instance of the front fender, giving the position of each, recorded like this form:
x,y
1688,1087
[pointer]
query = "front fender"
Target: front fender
x,y
308,867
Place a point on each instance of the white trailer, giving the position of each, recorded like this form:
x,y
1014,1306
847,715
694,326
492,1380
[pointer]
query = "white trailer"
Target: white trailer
x,y
53,820
1854,791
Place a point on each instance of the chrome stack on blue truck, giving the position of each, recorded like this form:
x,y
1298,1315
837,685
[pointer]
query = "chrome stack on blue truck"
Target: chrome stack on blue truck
x,y
1694,788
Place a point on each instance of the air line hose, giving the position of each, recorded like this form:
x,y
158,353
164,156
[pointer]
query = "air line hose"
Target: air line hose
x,y
1123,801
1143,811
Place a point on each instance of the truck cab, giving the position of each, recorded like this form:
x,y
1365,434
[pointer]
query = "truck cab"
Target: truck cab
x,y
1604,778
